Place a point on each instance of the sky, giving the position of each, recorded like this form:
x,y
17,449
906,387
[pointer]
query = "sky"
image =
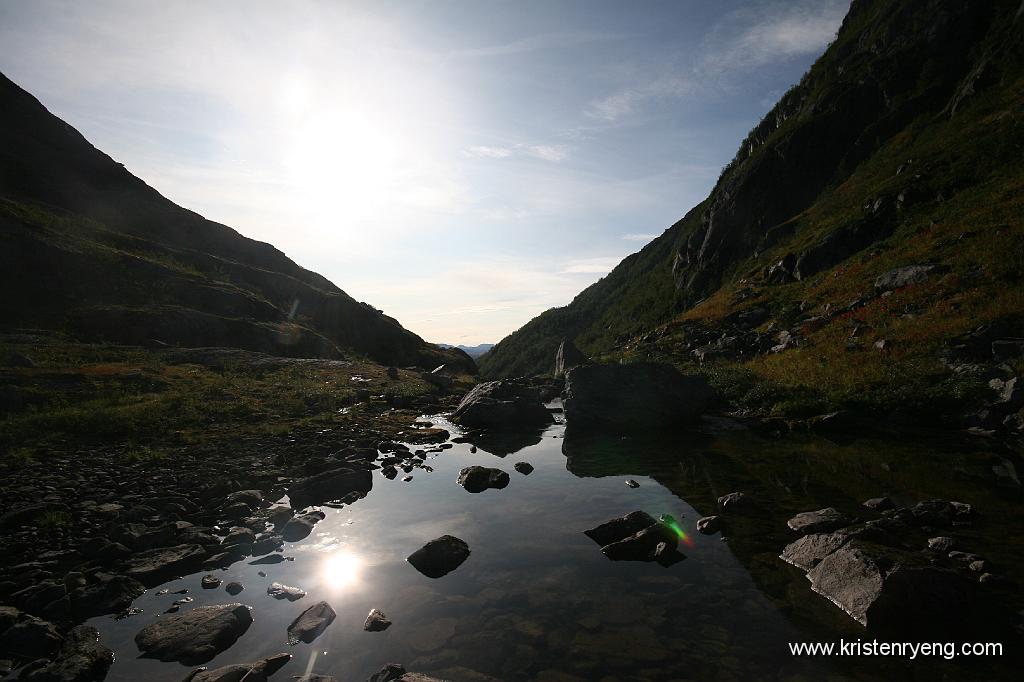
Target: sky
x,y
461,165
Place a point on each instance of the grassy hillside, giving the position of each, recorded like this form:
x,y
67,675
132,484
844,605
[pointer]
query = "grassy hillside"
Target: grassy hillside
x,y
88,249
912,125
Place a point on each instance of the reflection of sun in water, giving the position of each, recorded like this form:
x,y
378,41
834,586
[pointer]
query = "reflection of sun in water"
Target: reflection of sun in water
x,y
341,569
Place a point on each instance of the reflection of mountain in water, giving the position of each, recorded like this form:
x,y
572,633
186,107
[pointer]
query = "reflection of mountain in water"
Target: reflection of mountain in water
x,y
504,443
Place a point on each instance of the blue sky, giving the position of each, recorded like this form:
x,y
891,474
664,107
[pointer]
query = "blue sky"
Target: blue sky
x,y
461,165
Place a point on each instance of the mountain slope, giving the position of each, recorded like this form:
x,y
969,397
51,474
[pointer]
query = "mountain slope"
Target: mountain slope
x,y
900,146
88,248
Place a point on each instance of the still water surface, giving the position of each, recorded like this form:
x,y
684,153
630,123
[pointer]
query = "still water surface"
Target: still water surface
x,y
536,600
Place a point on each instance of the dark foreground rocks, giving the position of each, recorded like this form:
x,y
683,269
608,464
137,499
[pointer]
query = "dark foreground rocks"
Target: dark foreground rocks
x,y
328,486
439,557
81,659
638,537
256,671
636,396
194,636
311,623
505,404
477,479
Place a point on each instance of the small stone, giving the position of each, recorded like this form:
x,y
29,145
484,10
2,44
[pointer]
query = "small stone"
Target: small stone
x,y
211,582
476,479
709,525
733,501
941,544
406,479
233,588
879,504
280,591
376,621
524,468
632,484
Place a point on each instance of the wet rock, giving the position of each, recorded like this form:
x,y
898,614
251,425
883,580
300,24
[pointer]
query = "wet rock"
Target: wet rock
x,y
111,594
406,479
476,479
195,636
252,499
633,396
820,521
567,357
268,560
879,504
709,525
979,566
941,544
524,468
439,557
808,551
376,621
620,528
311,623
654,543
210,582
240,536
280,515
30,637
885,589
155,566
505,404
389,673
266,545
281,591
257,671
81,659
314,677
299,527
329,485
632,484
941,513
734,502
233,588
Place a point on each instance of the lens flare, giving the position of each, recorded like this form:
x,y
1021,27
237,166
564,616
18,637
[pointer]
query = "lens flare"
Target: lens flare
x,y
670,521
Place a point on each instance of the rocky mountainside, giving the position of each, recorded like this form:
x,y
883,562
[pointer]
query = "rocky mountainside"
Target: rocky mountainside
x,y
899,148
89,249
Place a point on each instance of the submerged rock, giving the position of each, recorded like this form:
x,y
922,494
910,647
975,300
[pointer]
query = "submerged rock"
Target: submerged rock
x,y
299,527
504,404
439,557
311,623
195,636
476,479
634,396
637,536
820,521
257,671
620,528
233,588
525,468
376,621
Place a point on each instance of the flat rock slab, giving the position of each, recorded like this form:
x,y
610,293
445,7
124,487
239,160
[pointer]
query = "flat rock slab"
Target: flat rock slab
x,y
439,557
257,671
819,521
808,551
329,485
311,623
620,528
155,566
477,479
194,636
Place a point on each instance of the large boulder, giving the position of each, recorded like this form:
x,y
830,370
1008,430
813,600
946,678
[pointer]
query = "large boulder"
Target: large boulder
x,y
194,636
329,485
311,623
504,404
477,479
642,395
567,357
155,566
889,589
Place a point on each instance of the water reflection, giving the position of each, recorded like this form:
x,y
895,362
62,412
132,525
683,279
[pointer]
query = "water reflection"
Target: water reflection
x,y
538,600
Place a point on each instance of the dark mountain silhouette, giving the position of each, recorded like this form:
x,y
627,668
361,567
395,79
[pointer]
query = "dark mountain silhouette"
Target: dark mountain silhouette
x,y
89,249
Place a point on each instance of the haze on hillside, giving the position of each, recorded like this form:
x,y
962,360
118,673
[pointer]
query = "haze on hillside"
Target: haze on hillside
x,y
461,167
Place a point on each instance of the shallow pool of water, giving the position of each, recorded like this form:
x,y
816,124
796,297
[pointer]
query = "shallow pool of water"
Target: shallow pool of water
x,y
536,599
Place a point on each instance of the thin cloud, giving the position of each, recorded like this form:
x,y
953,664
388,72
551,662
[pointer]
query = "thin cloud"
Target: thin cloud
x,y
545,152
544,41
633,237
591,266
484,152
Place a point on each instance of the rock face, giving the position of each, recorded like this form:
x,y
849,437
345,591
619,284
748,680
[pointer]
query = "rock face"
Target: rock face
x,y
901,277
81,659
257,671
505,404
194,636
311,623
439,557
882,588
636,396
476,479
567,357
329,485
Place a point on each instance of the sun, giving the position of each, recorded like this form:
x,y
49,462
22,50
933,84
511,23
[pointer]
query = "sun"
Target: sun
x,y
341,569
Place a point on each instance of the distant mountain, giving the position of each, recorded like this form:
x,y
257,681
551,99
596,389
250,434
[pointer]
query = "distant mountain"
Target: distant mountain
x,y
472,351
89,249
901,146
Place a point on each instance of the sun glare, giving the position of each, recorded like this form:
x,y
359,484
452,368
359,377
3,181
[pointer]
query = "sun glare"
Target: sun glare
x,y
341,569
